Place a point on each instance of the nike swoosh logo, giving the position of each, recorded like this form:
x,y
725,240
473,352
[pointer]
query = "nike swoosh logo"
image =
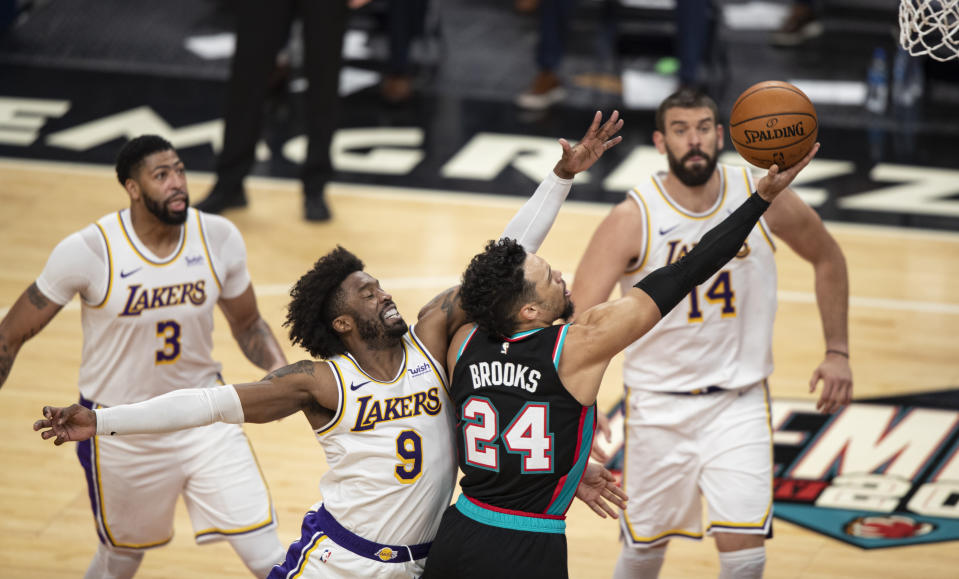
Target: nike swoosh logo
x,y
355,387
129,273
667,230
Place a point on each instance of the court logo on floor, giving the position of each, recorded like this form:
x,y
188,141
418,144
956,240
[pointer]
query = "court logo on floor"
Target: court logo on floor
x,y
883,472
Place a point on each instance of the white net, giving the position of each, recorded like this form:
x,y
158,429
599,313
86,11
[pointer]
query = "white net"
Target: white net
x,y
930,27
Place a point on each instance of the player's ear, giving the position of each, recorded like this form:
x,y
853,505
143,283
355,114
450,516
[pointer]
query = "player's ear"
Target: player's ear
x,y
720,137
342,324
528,312
132,188
659,139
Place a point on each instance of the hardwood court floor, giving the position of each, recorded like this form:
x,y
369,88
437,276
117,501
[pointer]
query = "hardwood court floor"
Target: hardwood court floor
x,y
903,317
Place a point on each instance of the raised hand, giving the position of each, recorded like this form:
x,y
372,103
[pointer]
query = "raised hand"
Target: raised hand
x,y
71,424
597,140
598,486
776,181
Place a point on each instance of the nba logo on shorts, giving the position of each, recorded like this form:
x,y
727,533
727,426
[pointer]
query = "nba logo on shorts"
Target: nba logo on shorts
x,y
325,555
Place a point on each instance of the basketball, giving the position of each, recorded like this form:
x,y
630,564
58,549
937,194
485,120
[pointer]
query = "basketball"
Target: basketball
x,y
773,122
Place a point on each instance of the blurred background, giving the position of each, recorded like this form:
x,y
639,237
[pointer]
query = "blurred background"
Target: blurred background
x,y
427,87
447,117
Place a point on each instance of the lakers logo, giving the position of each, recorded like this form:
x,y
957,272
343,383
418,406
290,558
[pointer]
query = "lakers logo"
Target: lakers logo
x,y
743,251
386,554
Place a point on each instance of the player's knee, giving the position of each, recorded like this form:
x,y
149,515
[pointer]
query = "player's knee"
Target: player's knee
x,y
259,552
640,562
742,564
109,563
738,541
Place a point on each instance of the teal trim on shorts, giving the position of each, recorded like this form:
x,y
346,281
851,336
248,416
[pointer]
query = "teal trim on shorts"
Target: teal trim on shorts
x,y
508,520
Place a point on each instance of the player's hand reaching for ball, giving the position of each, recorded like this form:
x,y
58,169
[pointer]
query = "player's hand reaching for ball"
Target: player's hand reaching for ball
x,y
776,181
597,140
71,424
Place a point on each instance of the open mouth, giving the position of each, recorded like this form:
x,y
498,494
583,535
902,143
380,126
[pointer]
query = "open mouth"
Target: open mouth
x,y
177,204
390,314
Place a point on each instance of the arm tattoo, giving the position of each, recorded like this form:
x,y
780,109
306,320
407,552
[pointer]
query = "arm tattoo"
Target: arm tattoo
x,y
6,362
36,297
255,343
301,367
451,299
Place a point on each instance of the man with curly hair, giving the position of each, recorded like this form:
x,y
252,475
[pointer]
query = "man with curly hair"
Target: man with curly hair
x,y
525,389
379,403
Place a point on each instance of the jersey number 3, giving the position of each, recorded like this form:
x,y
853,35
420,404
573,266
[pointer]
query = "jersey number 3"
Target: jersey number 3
x,y
527,435
170,332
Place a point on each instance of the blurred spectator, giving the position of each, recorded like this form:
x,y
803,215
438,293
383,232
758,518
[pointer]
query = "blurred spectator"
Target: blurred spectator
x,y
693,37
8,13
801,25
547,89
406,21
262,29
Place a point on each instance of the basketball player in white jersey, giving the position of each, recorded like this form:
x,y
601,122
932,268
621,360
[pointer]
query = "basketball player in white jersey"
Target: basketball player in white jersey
x,y
378,403
149,278
696,394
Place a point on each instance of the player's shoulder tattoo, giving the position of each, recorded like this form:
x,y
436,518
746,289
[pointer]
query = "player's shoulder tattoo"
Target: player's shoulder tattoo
x,y
301,367
36,297
450,299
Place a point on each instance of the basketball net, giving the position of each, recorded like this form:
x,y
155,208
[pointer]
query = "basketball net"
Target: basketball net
x,y
930,27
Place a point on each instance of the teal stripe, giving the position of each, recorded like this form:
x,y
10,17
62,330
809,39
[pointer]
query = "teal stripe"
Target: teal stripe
x,y
524,333
561,504
559,348
507,520
466,341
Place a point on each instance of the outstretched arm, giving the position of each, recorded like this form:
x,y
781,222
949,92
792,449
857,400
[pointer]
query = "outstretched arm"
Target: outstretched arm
x,y
306,385
442,316
535,218
30,313
603,331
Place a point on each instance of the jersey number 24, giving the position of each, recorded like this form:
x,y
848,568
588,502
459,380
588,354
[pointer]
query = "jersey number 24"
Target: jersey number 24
x,y
527,434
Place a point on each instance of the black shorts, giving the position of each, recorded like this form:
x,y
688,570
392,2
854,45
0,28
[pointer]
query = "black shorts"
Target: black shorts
x,y
467,549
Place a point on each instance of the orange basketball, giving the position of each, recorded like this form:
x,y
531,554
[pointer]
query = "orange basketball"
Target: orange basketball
x,y
773,122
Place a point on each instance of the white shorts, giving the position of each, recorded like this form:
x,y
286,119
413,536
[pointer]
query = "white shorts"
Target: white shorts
x,y
681,447
326,550
134,482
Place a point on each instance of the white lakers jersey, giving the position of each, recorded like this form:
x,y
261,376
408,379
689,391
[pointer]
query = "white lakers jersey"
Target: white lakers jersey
x,y
152,333
721,334
390,449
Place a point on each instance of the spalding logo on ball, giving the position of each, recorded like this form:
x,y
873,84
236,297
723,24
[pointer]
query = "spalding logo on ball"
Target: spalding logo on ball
x,y
773,122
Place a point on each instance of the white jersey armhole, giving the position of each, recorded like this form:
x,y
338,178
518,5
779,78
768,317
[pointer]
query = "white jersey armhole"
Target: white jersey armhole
x,y
645,243
340,401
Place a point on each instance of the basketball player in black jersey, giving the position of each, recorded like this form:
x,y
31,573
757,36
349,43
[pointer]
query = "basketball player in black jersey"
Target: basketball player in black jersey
x,y
525,393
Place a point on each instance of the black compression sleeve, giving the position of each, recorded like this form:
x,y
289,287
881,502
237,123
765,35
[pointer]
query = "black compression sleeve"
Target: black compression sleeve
x,y
669,285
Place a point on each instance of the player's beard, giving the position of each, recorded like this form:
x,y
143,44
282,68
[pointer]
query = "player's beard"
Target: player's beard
x,y
567,310
692,176
379,336
163,213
